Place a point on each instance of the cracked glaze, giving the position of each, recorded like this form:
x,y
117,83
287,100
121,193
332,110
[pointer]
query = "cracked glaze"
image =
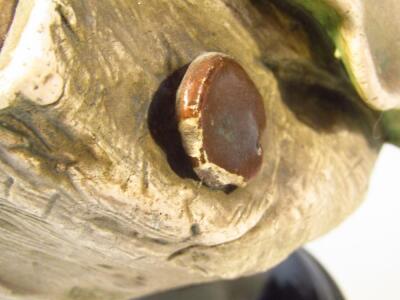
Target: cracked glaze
x,y
85,175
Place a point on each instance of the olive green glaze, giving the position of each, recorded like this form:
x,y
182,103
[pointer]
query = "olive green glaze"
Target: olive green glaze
x,y
323,13
391,122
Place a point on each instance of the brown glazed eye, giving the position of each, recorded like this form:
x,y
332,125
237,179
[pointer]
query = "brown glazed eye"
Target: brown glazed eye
x,y
221,118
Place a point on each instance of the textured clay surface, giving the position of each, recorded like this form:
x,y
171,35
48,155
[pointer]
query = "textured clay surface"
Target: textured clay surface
x,y
95,199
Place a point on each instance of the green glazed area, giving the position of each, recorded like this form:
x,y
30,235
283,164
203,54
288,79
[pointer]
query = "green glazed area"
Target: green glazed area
x,y
391,123
331,21
323,13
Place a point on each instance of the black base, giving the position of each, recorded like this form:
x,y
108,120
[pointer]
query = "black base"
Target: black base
x,y
299,277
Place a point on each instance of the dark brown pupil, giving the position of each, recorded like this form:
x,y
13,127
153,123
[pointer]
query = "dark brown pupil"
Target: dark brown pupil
x,y
232,119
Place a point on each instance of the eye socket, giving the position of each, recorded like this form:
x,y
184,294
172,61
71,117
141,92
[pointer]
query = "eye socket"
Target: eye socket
x,y
163,125
215,124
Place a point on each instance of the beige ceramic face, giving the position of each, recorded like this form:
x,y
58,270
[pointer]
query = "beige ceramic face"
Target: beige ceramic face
x,y
101,205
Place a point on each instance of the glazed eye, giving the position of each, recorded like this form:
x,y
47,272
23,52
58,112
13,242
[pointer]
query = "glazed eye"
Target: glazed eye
x,y
221,118
208,118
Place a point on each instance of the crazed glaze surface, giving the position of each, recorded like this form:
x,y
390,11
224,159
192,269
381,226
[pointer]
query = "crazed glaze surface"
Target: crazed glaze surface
x,y
90,207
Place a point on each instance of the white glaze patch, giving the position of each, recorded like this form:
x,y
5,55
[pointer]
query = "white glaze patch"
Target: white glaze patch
x,y
33,70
